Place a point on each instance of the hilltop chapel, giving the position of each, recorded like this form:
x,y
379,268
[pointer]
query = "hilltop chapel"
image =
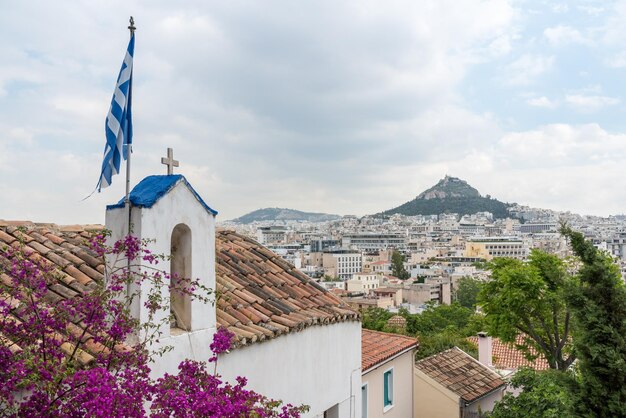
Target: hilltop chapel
x,y
294,340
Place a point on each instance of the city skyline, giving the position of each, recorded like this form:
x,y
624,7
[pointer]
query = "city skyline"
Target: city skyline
x,y
348,108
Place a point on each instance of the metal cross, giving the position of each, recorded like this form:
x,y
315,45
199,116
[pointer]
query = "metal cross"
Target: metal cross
x,y
170,162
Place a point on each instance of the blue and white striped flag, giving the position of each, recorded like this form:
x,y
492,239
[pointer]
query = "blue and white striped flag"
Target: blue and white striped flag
x,y
119,123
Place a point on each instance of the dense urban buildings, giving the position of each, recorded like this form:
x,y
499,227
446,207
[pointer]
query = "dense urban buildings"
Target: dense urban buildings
x,y
352,256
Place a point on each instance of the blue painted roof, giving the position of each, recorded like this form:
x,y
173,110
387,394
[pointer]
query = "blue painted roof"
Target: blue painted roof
x,y
152,188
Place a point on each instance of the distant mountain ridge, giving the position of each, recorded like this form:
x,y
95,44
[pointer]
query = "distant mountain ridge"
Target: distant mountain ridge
x,y
283,214
451,195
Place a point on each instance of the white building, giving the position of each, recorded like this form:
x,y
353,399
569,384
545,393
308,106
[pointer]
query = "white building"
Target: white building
x,y
275,234
363,282
294,341
374,241
342,263
491,247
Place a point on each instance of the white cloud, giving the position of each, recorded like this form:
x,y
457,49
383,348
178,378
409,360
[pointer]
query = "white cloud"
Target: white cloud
x,y
591,10
617,60
527,68
580,161
563,35
260,101
560,8
346,107
590,103
543,102
556,166
501,45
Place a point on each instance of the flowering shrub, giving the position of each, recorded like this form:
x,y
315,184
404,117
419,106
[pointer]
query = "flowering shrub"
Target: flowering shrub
x,y
87,355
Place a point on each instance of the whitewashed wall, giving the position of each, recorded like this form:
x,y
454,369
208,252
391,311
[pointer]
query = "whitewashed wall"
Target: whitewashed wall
x,y
319,366
157,223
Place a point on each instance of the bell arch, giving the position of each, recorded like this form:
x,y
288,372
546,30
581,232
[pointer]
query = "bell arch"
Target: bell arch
x,y
180,271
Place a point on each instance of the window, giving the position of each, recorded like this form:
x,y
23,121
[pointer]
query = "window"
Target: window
x,y
388,390
364,401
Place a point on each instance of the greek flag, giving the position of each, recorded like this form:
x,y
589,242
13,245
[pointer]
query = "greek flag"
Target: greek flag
x,y
119,124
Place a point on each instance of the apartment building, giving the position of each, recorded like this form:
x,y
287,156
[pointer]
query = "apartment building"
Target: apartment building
x,y
363,282
491,247
374,241
275,234
339,263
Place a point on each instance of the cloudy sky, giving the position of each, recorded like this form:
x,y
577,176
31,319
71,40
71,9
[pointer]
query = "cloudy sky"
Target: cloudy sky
x,y
341,107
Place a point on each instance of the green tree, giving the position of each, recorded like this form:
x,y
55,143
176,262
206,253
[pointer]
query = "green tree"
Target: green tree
x,y
437,318
546,394
397,266
430,344
528,298
598,303
441,327
375,318
467,291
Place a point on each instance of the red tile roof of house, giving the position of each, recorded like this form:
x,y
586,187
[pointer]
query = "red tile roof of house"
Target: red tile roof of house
x,y
262,296
506,357
460,373
376,347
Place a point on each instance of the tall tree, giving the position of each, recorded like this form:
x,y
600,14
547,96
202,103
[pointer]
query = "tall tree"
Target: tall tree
x,y
467,291
529,299
397,266
598,303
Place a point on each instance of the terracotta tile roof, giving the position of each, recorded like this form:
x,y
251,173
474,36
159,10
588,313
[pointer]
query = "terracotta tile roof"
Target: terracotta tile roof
x,y
63,249
396,321
376,347
460,373
506,357
262,296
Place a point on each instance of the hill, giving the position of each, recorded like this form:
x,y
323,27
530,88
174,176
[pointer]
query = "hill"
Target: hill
x,y
451,195
280,214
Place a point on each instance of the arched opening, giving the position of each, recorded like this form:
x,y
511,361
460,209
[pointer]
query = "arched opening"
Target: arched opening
x,y
180,271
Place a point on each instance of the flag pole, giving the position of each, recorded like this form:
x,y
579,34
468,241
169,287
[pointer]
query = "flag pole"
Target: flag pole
x,y
129,147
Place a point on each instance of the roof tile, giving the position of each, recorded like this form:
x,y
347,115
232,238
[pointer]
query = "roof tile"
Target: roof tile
x,y
261,295
506,357
376,347
460,373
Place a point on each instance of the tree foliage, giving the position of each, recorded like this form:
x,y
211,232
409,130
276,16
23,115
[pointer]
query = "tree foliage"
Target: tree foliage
x,y
598,303
431,344
528,298
467,291
397,266
375,319
437,318
438,328
544,394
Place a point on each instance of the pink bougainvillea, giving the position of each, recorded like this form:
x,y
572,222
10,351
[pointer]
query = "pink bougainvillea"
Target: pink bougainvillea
x,y
82,356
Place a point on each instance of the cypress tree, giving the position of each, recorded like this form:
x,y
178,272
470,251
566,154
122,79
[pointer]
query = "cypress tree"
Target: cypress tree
x,y
598,304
